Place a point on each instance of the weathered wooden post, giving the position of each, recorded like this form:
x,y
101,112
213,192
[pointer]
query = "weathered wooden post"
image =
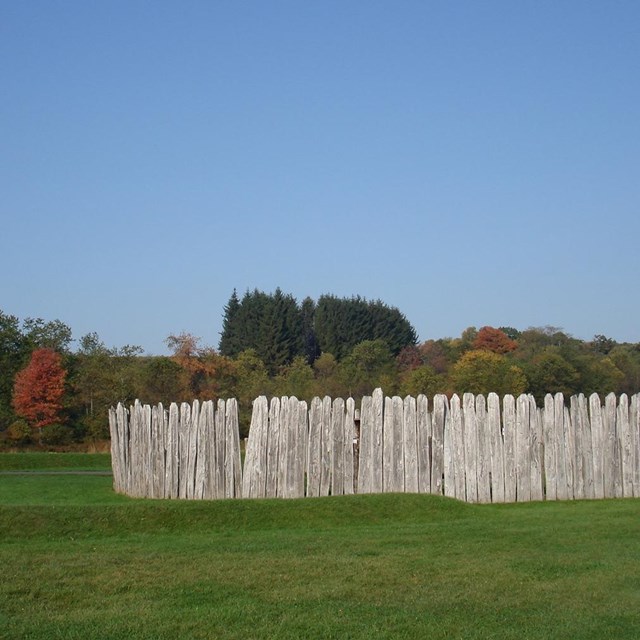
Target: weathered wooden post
x,y
626,446
457,431
634,420
377,441
494,427
314,449
410,442
615,445
424,438
440,418
337,447
483,458
350,447
509,418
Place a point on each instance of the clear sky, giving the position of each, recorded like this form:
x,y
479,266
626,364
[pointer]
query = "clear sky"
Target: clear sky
x,y
471,163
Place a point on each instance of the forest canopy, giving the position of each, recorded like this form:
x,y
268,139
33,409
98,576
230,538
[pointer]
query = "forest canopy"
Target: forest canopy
x,y
272,345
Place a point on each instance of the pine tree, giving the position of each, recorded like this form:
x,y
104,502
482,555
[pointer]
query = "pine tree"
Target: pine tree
x,y
230,338
341,324
311,349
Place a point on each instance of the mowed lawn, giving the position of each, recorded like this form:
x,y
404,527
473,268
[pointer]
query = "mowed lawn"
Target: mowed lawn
x,y
78,561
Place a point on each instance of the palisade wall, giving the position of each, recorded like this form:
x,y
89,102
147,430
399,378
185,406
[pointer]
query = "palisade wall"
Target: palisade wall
x,y
472,448
190,451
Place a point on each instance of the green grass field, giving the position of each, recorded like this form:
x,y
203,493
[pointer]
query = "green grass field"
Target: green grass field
x,y
55,461
80,562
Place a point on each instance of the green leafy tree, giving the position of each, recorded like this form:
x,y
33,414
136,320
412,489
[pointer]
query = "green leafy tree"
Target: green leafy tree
x,y
510,332
369,365
550,372
422,379
14,354
327,376
602,344
163,380
534,340
599,375
99,378
253,381
626,357
91,379
54,335
296,379
125,367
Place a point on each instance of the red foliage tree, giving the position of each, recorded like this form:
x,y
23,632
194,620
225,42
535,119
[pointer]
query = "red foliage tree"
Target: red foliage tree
x,y
491,339
433,354
38,389
409,358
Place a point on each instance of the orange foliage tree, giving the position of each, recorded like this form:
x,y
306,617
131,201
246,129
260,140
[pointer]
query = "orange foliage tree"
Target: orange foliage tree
x,y
205,373
38,389
490,339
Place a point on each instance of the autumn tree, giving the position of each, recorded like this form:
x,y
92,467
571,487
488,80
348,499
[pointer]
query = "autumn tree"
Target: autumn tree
x,y
39,388
494,340
188,355
434,354
483,371
409,358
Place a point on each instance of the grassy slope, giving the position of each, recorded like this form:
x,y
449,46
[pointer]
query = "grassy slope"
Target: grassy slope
x,y
81,562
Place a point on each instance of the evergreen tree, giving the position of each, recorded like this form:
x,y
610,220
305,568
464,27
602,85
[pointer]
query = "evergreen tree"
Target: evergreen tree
x,y
281,336
311,348
230,338
341,324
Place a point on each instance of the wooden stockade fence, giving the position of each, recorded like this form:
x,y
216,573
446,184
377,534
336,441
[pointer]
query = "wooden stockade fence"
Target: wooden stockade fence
x,y
472,448
190,451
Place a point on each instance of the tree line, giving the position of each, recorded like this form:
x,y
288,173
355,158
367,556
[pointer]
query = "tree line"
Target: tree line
x,y
271,345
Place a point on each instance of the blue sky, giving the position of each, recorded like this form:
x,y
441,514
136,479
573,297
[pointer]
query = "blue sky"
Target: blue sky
x,y
471,163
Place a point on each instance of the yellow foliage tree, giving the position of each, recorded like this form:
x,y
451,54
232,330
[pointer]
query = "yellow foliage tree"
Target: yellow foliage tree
x,y
482,371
